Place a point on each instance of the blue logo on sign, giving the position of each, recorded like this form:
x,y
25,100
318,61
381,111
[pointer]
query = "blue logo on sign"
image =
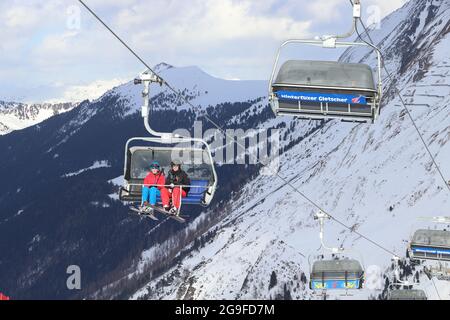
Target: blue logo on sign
x,y
322,97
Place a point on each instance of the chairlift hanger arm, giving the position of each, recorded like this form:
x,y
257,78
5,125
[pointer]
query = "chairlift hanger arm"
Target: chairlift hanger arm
x,y
356,15
321,216
330,40
147,78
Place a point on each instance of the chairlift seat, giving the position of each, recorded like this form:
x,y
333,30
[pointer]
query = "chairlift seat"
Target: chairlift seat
x,y
321,89
430,245
336,274
196,194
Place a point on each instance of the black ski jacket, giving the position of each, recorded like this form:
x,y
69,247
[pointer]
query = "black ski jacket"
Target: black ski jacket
x,y
179,178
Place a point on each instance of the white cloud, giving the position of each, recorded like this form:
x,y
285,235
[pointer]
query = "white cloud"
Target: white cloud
x,y
197,22
326,10
227,38
19,17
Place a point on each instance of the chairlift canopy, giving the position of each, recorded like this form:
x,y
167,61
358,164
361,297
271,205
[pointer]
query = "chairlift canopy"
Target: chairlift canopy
x,y
326,74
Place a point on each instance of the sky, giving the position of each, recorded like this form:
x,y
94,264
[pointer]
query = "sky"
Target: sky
x,y
54,50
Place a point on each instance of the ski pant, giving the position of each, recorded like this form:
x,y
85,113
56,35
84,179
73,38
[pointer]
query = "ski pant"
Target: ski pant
x,y
176,199
150,194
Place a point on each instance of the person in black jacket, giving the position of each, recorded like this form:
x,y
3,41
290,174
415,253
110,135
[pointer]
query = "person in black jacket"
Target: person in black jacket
x,y
179,182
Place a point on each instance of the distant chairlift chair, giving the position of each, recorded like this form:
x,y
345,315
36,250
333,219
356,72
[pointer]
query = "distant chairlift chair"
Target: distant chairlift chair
x,y
430,245
194,153
336,274
333,274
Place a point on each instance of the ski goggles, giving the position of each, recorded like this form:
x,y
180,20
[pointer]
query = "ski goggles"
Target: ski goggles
x,y
155,166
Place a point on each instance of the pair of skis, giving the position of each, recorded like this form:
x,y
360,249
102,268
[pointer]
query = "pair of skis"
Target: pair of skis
x,y
149,213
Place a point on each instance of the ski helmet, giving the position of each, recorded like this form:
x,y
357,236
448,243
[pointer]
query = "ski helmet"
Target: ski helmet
x,y
175,162
155,165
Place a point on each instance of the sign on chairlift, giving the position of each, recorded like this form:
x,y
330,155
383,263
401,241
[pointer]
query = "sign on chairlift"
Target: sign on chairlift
x,y
321,97
431,250
333,284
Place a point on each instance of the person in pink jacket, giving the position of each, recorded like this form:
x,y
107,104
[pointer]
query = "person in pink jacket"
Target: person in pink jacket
x,y
154,186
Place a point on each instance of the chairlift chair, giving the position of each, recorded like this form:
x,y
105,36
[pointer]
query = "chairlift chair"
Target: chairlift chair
x,y
197,163
194,153
313,89
344,273
430,245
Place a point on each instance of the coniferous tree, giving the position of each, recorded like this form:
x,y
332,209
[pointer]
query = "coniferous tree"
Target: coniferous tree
x,y
287,293
273,280
303,278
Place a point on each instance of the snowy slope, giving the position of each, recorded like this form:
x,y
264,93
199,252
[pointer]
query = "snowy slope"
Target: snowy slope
x,y
17,116
377,179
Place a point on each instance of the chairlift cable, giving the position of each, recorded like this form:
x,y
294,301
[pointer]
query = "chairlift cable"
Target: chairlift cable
x,y
117,37
435,288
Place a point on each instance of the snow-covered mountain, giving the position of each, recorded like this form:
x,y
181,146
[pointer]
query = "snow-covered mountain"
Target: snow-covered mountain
x,y
376,179
17,116
202,89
